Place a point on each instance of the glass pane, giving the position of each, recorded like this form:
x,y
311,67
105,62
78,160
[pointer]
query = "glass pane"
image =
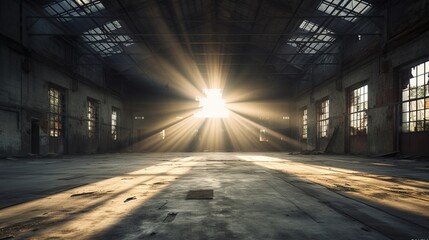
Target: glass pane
x,y
420,91
420,69
413,93
420,126
413,82
420,80
413,116
412,126
405,95
421,115
405,116
413,105
420,104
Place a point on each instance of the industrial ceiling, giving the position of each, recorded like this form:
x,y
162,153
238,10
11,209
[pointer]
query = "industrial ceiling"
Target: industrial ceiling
x,y
158,42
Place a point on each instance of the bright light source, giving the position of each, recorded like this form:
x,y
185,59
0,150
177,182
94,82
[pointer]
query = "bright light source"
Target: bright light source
x,y
213,106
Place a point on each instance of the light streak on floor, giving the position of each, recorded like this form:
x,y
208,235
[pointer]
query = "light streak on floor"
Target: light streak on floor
x,y
256,196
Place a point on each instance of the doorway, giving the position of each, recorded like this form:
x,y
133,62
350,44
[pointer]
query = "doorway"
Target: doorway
x,y
35,136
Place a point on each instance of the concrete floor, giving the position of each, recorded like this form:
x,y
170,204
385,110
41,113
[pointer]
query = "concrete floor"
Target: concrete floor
x,y
256,196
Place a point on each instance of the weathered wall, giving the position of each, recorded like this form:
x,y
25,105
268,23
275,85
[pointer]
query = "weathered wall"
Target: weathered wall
x,y
376,62
28,66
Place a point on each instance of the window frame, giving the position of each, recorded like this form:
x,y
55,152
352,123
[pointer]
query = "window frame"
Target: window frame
x,y
115,123
419,105
358,115
303,120
93,107
263,135
56,121
323,123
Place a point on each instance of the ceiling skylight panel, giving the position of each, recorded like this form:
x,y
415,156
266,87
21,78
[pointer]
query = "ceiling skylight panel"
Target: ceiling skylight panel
x,y
309,50
302,44
105,49
308,26
126,40
321,38
64,9
324,38
312,27
321,34
106,45
112,26
298,41
348,9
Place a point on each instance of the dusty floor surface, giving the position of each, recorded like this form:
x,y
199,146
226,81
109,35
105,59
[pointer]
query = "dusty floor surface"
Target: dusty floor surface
x,y
255,196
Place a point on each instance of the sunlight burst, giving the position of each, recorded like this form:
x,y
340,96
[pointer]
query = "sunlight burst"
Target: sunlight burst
x,y
213,106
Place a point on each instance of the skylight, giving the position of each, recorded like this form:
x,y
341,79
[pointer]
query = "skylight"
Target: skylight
x,y
64,9
103,44
348,9
314,43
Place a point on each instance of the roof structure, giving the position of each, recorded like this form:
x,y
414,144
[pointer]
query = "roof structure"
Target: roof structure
x,y
283,39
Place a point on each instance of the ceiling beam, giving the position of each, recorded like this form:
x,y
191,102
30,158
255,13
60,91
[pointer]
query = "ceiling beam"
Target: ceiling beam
x,y
115,17
203,64
238,54
207,34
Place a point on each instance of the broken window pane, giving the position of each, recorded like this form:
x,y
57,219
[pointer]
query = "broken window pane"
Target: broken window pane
x,y
416,100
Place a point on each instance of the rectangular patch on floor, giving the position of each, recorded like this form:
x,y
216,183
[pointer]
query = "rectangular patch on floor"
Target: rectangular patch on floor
x,y
170,217
200,194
